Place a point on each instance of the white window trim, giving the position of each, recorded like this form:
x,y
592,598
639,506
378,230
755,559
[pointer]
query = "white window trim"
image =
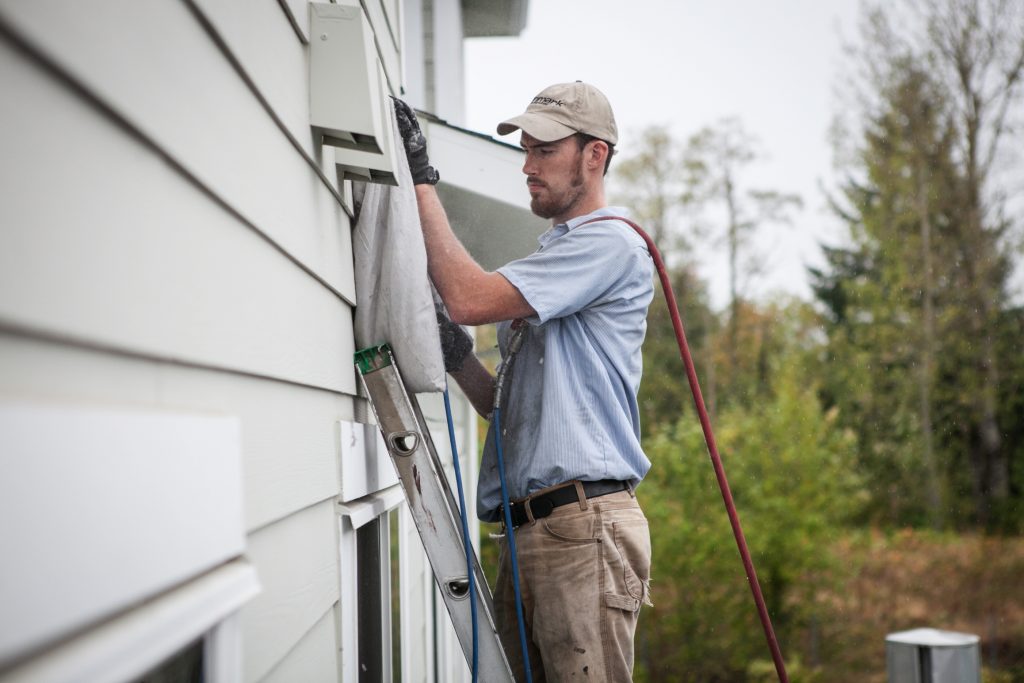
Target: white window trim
x,y
102,510
355,514
421,591
365,466
129,645
368,508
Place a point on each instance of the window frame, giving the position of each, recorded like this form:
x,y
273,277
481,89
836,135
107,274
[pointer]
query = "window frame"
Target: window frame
x,y
141,639
373,509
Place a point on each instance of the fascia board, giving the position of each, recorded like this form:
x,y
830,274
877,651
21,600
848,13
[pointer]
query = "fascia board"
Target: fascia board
x,y
484,193
478,164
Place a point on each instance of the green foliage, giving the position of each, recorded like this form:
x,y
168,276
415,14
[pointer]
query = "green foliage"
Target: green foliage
x,y
664,391
794,484
917,352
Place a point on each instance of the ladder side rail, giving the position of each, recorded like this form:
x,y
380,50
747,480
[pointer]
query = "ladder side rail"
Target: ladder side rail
x,y
434,512
453,506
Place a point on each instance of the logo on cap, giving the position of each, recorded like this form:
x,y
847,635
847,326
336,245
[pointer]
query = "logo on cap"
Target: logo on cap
x,y
548,100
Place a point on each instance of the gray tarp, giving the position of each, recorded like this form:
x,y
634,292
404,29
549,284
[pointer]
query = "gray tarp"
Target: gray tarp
x,y
394,303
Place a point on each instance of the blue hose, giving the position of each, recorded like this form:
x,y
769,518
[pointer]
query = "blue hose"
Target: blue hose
x,y
511,536
465,533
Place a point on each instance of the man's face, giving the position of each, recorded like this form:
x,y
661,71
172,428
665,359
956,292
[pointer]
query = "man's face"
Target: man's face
x,y
554,176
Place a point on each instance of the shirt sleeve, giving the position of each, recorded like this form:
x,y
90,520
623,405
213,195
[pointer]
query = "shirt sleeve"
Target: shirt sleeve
x,y
576,270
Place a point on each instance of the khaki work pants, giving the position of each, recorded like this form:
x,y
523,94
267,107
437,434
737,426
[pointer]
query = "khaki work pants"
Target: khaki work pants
x,y
583,576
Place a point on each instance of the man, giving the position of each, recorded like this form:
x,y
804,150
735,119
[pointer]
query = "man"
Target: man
x,y
570,424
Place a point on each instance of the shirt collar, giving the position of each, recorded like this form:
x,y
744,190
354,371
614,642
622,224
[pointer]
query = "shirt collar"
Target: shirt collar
x,y
562,228
605,211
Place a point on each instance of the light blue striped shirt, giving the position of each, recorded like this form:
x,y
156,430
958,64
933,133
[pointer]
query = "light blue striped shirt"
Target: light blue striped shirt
x,y
570,408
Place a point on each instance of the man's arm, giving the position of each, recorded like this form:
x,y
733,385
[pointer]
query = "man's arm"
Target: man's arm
x,y
472,295
459,362
477,383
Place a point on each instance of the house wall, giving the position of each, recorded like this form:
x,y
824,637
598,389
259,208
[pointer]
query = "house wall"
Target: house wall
x,y
174,239
433,58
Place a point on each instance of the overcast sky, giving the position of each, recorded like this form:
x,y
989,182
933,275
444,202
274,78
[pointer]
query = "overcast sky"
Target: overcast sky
x,y
686,64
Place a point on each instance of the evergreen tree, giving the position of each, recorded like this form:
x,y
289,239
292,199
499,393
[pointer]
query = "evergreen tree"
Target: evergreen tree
x,y
919,301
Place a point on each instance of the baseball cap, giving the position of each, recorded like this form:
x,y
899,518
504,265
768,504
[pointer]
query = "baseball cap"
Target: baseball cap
x,y
563,109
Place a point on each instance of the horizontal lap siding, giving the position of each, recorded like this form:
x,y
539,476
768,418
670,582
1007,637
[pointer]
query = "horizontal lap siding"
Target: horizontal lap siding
x,y
109,542
104,241
155,65
385,29
289,442
288,459
273,58
298,17
174,239
297,560
313,660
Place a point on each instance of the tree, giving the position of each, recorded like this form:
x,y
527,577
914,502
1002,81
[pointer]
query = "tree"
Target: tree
x,y
978,49
790,467
714,160
651,182
882,291
920,299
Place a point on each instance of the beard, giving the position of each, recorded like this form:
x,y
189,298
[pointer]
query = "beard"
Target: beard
x,y
561,204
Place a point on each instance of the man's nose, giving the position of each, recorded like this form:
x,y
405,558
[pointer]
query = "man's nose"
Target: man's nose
x,y
529,167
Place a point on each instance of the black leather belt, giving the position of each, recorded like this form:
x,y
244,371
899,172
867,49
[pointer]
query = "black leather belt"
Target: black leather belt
x,y
544,504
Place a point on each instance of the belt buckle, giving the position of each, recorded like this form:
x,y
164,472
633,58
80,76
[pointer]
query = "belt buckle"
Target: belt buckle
x,y
524,504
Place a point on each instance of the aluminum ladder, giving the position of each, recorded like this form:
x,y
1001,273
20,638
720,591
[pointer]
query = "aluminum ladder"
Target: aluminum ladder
x,y
433,509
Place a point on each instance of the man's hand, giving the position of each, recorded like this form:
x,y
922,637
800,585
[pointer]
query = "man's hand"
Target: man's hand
x,y
415,145
455,343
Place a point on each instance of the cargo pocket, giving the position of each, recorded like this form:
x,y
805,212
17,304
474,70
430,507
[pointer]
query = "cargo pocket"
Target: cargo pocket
x,y
629,566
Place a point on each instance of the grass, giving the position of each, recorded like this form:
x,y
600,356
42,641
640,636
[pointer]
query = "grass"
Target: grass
x,y
897,580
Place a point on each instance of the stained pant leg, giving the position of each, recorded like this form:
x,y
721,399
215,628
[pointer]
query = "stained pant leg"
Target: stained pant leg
x,y
584,576
507,622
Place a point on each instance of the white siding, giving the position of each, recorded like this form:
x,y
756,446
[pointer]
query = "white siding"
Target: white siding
x,y
181,91
365,465
295,558
289,444
313,660
115,473
104,241
297,561
433,57
272,57
386,29
173,240
413,54
126,647
298,16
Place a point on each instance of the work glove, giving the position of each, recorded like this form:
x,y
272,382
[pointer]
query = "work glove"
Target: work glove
x,y
455,343
415,145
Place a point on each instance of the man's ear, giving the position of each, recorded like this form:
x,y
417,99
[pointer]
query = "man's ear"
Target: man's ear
x,y
596,152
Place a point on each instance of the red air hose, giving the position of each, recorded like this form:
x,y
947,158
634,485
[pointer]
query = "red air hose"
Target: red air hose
x,y
709,437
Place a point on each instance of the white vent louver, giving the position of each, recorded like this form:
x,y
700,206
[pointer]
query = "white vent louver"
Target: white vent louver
x,y
349,105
